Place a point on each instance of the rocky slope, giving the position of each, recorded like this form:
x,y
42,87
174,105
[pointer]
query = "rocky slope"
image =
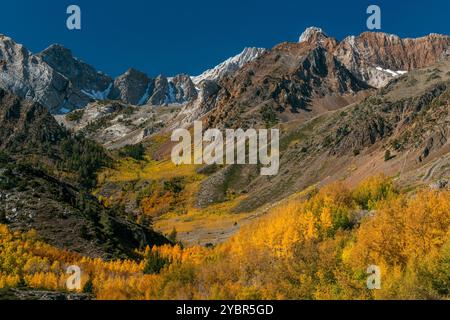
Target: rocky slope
x,y
164,91
132,86
137,88
377,57
284,84
115,124
302,80
401,130
26,125
61,82
30,77
53,78
82,76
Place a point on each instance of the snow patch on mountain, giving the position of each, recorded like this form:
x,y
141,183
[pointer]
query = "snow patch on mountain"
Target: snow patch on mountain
x,y
146,96
64,110
99,95
393,73
171,95
230,65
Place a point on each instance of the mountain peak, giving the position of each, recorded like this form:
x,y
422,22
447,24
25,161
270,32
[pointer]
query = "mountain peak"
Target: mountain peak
x,y
133,71
312,34
230,65
4,37
57,49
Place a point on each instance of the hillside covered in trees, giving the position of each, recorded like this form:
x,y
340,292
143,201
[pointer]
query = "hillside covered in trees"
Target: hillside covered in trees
x,y
318,246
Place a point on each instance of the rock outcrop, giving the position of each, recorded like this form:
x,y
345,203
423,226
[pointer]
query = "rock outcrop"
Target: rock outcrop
x,y
28,76
132,86
183,88
376,57
82,76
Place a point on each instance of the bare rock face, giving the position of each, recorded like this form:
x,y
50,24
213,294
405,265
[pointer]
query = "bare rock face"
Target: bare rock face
x,y
53,78
133,85
81,75
160,94
377,57
293,78
288,77
29,77
184,88
163,91
204,103
284,80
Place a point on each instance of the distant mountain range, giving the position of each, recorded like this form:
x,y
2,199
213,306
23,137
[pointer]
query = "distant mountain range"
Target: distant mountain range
x,y
61,82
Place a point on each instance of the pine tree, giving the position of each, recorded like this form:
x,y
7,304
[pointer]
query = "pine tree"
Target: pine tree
x,y
387,155
155,263
146,221
173,235
2,216
89,287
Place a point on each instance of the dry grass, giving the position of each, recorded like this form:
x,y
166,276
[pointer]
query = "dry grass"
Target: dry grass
x,y
132,170
213,224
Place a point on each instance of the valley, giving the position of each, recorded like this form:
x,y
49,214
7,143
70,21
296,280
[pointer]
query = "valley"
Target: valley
x,y
86,175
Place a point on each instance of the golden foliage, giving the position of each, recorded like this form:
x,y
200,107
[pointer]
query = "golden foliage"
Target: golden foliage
x,y
317,248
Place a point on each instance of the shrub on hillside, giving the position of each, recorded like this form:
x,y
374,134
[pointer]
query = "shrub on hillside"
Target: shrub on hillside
x,y
136,151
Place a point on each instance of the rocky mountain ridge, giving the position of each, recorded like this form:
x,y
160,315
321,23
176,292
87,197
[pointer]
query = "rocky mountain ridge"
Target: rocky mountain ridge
x,y
319,73
401,130
61,82
288,82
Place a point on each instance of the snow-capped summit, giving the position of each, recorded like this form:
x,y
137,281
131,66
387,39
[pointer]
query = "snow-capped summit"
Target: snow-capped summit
x,y
312,33
230,65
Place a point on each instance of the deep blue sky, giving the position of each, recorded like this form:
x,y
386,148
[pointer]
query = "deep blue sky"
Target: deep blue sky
x,y
175,36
